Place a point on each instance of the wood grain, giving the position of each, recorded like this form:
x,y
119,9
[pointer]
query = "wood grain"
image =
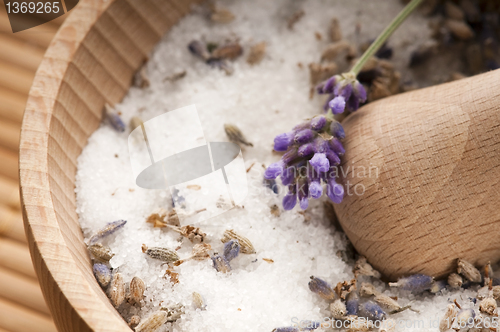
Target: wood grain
x,y
9,193
12,106
16,318
11,224
22,290
15,256
90,61
434,192
20,53
9,135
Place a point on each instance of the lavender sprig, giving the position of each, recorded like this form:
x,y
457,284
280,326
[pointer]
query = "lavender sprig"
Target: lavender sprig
x,y
313,151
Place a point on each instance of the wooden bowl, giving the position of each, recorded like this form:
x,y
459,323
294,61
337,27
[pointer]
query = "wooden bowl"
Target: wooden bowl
x,y
91,61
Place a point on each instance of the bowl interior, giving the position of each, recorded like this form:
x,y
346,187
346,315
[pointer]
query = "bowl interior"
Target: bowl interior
x,y
90,62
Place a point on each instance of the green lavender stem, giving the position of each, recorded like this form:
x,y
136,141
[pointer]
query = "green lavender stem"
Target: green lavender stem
x,y
374,47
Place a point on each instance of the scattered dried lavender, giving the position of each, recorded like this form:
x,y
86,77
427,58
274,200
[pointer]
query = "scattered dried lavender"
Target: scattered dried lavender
x,y
102,273
322,288
113,118
246,246
109,229
117,290
235,135
163,254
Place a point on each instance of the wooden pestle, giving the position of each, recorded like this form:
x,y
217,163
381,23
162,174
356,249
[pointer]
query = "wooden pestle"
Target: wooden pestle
x,y
430,190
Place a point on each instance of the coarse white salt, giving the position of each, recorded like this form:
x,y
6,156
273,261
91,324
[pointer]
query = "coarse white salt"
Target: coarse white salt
x,y
262,100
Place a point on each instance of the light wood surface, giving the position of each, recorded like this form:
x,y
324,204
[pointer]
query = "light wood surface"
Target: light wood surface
x,y
17,318
9,163
16,257
12,106
9,134
22,290
11,224
91,61
437,194
9,193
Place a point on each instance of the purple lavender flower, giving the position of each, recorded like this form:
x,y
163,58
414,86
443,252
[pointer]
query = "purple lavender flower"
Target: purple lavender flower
x,y
334,191
320,162
290,198
283,141
274,170
372,311
322,288
416,283
345,93
313,150
304,136
231,249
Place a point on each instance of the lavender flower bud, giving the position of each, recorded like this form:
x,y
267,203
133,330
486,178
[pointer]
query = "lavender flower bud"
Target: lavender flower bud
x,y
220,263
359,91
353,104
329,85
320,162
273,170
288,176
306,150
231,249
107,230
336,146
320,145
290,198
197,48
337,130
315,189
322,288
303,192
372,311
286,329
334,191
318,122
343,89
290,156
309,325
303,136
337,105
332,158
114,119
416,283
283,141
352,303
102,273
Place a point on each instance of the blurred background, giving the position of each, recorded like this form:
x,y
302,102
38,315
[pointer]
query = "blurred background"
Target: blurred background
x,y
22,307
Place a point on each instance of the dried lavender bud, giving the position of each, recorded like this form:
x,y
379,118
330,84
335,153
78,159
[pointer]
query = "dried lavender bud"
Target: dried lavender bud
x,y
455,281
117,290
286,329
283,141
362,267
134,321
153,322
113,118
246,247
416,283
257,53
334,191
336,146
174,311
447,320
468,271
338,309
357,324
303,136
367,290
290,199
102,273
200,251
198,301
107,230
322,288
372,311
220,264
271,184
222,15
231,250
465,316
137,288
388,303
100,253
337,130
320,162
309,325
235,135
438,286
318,122
162,218
229,51
199,49
352,303
163,254
488,306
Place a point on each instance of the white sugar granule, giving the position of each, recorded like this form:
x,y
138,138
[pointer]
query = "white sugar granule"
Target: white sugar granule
x,y
262,100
